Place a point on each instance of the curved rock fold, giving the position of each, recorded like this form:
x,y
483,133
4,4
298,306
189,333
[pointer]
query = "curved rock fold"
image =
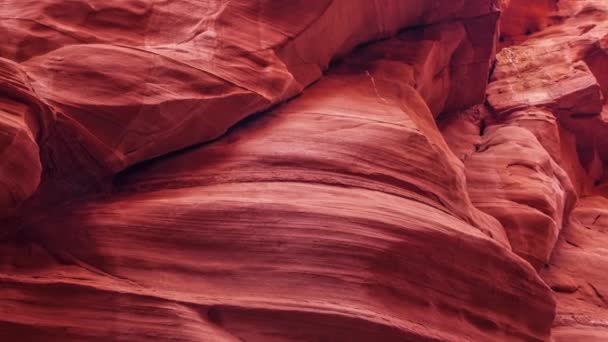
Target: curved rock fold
x,y
341,170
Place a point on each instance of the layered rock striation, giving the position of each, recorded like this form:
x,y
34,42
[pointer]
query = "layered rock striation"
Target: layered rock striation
x,y
311,170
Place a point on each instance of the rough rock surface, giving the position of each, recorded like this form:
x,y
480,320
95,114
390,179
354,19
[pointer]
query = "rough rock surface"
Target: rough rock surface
x,y
328,170
535,157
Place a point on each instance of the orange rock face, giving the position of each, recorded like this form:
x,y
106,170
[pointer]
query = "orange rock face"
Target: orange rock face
x,y
331,170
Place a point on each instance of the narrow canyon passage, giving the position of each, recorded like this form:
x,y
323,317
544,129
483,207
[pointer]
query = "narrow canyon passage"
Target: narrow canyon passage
x,y
326,170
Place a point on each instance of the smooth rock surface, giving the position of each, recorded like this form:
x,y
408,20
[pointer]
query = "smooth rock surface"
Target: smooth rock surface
x,y
327,170
521,18
20,169
308,198
133,78
513,178
577,273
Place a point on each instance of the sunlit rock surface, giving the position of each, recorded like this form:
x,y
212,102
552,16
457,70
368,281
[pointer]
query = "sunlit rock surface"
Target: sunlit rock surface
x,y
394,170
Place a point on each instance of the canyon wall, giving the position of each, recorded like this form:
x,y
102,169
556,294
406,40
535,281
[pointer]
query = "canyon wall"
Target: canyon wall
x,y
327,170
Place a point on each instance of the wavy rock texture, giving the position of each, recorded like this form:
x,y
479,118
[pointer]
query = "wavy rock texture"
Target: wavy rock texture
x,y
20,169
535,156
577,274
148,71
303,171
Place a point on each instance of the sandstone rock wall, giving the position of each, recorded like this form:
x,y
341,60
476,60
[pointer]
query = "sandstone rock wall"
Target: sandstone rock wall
x,y
303,171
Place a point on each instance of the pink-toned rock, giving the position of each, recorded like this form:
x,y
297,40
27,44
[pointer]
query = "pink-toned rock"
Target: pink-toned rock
x,y
547,96
343,170
513,178
559,143
310,222
134,79
520,18
560,69
577,274
567,88
317,220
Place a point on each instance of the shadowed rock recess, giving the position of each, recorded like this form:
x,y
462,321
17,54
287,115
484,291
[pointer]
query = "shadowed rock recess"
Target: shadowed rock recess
x,y
306,170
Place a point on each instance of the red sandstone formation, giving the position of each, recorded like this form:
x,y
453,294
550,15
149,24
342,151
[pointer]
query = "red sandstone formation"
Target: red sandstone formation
x,y
328,170
523,17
